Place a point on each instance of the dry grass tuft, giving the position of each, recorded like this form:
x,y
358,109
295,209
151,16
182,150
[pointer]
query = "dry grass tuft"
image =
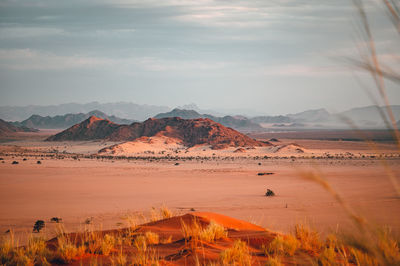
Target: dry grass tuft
x,y
107,244
282,245
213,232
34,253
119,259
165,212
309,240
273,261
152,238
145,255
68,250
238,254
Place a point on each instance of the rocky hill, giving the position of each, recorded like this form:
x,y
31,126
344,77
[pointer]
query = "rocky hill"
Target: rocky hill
x,y
90,129
68,120
6,128
190,132
236,122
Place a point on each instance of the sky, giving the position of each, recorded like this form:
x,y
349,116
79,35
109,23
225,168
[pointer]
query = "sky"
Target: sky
x,y
262,57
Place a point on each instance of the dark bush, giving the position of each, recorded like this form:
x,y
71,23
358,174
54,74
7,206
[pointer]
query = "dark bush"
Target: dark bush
x,y
14,162
39,225
56,219
269,193
265,173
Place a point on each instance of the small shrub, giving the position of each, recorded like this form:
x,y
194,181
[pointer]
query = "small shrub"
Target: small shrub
x,y
14,162
38,162
38,226
269,193
88,220
56,219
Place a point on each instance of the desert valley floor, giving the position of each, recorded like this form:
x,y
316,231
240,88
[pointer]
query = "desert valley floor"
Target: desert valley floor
x,y
107,190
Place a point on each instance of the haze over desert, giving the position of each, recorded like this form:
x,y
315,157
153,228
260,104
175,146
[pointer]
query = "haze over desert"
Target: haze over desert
x,y
229,133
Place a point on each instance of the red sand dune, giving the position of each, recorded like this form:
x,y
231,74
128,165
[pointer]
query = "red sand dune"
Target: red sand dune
x,y
179,251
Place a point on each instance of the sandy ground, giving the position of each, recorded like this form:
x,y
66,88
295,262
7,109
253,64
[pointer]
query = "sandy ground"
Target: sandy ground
x,y
108,190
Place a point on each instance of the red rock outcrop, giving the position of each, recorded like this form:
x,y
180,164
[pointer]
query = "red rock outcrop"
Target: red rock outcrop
x,y
190,131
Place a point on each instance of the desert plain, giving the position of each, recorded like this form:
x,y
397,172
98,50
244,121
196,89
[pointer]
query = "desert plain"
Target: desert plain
x,y
75,183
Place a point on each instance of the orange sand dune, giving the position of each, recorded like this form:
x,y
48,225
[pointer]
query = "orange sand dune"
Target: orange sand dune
x,y
181,251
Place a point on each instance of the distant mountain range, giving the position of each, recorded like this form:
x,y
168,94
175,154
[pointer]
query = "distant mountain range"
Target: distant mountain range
x,y
189,132
125,113
362,117
7,129
120,109
236,122
65,121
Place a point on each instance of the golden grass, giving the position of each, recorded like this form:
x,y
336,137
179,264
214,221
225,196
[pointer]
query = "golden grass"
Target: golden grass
x,y
238,254
274,261
162,213
34,253
165,212
282,245
213,232
107,244
309,239
119,259
152,238
145,255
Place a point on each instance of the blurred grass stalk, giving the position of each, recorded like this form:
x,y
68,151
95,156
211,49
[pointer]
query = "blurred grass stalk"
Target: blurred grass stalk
x,y
369,61
370,240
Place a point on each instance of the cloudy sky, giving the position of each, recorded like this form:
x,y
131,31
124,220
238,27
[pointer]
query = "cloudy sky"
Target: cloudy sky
x,y
269,57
